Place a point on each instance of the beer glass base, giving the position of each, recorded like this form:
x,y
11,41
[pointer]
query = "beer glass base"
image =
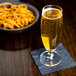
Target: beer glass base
x,y
50,59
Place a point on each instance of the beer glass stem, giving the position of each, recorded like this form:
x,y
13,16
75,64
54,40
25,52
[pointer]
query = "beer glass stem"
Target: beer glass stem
x,y
50,55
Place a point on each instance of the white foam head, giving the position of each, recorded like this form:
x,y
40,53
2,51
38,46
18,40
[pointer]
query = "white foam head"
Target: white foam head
x,y
44,10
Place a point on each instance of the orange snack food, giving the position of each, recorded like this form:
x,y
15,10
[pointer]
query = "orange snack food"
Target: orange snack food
x,y
15,16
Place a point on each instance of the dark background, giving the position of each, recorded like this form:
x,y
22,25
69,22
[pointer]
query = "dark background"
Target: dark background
x,y
40,3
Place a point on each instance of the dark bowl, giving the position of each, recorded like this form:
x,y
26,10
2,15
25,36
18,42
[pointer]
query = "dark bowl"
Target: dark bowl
x,y
35,12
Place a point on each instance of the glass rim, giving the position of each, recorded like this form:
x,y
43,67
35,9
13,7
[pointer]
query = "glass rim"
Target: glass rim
x,y
59,8
53,5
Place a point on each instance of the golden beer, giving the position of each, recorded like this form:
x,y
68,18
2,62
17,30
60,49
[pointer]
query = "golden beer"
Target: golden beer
x,y
51,24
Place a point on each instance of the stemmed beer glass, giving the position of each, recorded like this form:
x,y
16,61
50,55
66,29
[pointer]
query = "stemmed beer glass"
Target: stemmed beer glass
x,y
51,24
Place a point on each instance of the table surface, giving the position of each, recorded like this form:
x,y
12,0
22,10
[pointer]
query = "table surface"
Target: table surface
x,y
15,59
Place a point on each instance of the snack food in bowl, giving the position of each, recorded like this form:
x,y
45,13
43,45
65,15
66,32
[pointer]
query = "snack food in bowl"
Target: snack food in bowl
x,y
14,17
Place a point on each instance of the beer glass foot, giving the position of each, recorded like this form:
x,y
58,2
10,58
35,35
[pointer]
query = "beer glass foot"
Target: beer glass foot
x,y
50,59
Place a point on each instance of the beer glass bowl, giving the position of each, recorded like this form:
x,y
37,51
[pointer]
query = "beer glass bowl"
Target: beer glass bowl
x,y
51,24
